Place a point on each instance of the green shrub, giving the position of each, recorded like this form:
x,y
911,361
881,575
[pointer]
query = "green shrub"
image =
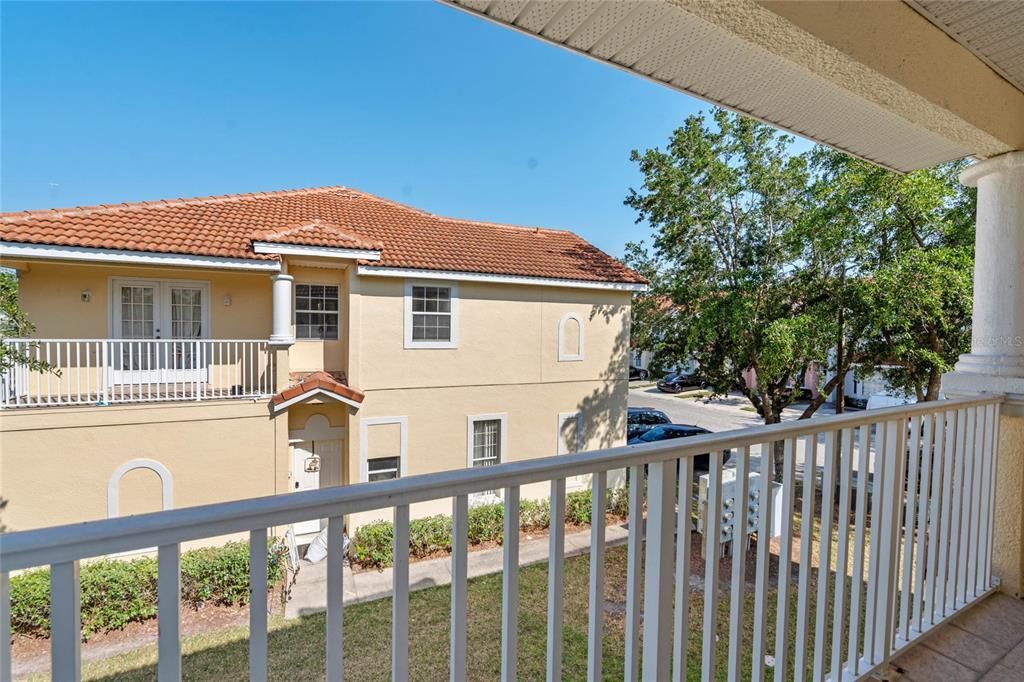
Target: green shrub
x,y
578,508
430,535
486,523
373,545
534,515
618,502
116,593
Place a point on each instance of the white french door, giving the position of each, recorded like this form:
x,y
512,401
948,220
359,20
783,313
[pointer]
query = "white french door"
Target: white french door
x,y
163,317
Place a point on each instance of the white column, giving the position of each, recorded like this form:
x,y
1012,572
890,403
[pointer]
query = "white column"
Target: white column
x,y
282,296
996,360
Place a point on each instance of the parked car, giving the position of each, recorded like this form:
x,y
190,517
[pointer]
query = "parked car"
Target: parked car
x,y
637,373
679,382
640,420
672,431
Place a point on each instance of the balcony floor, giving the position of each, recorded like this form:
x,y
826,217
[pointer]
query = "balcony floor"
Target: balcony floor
x,y
984,643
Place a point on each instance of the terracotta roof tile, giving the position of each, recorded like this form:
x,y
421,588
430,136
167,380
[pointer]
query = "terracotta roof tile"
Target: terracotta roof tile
x,y
327,216
314,381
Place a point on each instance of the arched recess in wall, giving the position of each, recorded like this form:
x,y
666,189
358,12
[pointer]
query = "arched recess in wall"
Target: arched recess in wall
x,y
570,338
166,483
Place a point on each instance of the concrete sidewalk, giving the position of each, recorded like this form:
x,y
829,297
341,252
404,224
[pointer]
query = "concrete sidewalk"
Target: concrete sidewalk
x,y
309,593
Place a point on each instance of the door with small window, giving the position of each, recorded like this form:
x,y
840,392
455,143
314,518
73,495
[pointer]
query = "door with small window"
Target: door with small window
x,y
157,324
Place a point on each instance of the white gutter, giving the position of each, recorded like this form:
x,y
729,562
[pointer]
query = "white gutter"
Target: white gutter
x,y
321,251
124,257
376,271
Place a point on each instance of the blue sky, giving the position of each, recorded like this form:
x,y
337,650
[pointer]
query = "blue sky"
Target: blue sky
x,y
413,101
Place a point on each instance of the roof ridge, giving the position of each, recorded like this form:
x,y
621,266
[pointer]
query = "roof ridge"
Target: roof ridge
x,y
16,216
532,228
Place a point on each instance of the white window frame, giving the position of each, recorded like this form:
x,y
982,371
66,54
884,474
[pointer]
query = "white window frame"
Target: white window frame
x,y
364,445
453,288
295,309
502,418
562,418
161,315
562,355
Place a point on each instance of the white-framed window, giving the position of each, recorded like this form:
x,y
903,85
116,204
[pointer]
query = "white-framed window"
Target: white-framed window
x,y
383,448
486,438
431,314
570,338
316,312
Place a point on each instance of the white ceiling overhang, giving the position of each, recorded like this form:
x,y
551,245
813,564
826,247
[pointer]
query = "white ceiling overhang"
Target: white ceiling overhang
x,y
740,55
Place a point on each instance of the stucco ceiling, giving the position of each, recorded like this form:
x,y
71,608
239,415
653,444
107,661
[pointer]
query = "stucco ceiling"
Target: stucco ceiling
x,y
994,31
738,54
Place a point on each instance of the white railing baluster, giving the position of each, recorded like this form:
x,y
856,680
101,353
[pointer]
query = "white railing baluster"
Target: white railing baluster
x,y
782,612
400,599
967,519
712,543
510,587
595,617
764,526
65,623
661,507
993,449
78,372
803,604
460,551
853,655
956,523
895,434
923,498
840,614
681,626
168,665
335,630
634,574
909,522
932,535
977,472
828,487
948,473
556,572
739,507
5,627
258,605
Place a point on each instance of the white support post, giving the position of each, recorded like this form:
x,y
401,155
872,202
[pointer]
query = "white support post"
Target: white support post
x,y
510,587
335,597
556,572
65,623
634,576
258,605
400,599
595,625
168,667
5,627
661,507
282,316
460,551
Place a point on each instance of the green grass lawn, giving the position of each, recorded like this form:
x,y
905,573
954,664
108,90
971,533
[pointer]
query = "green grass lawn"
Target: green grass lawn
x,y
296,649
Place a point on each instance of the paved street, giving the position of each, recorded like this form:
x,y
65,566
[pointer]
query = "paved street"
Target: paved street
x,y
723,414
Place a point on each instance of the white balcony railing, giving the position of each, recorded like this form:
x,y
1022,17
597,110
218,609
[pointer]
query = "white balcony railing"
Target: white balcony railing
x,y
905,494
105,371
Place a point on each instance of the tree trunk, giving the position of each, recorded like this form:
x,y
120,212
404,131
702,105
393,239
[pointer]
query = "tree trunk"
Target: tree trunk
x,y
841,386
778,448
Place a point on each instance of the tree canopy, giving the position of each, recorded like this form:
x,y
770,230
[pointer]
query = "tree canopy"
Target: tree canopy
x,y
764,261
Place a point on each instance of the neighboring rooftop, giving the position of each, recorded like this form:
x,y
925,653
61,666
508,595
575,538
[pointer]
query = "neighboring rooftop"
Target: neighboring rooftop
x,y
227,226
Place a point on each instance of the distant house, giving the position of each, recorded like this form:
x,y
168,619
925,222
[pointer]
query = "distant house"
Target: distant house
x,y
228,347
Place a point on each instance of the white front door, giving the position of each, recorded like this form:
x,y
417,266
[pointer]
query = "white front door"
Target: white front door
x,y
306,467
315,464
148,310
570,438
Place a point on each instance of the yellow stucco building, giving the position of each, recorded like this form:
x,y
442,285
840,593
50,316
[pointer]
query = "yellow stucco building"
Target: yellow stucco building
x,y
220,348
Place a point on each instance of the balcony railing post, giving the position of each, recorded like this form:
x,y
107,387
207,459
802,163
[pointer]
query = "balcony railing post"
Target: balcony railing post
x,y
660,550
106,371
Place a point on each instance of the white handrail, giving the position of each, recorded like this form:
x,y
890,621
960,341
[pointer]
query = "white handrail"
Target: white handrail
x,y
903,596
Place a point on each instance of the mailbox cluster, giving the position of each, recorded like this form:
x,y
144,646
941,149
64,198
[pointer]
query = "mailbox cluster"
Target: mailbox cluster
x,y
729,508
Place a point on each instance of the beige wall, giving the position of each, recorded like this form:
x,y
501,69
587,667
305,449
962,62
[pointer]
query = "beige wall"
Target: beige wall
x,y
311,355
50,294
56,463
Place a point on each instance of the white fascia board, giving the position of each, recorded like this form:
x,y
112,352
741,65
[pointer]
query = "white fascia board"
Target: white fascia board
x,y
119,256
497,279
317,392
321,251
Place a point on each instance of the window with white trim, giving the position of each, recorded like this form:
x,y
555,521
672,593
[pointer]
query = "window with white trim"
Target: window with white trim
x,y
382,468
316,312
486,438
431,319
570,338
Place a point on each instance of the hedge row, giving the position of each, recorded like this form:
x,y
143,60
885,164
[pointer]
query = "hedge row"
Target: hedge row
x,y
373,544
115,593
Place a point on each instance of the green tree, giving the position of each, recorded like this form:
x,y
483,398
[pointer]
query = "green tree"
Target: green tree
x,y
15,324
726,202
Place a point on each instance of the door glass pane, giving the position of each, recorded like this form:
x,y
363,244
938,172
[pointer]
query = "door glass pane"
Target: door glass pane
x,y
136,323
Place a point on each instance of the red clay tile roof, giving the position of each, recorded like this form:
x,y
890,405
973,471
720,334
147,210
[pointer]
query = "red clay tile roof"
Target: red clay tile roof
x,y
328,216
318,380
